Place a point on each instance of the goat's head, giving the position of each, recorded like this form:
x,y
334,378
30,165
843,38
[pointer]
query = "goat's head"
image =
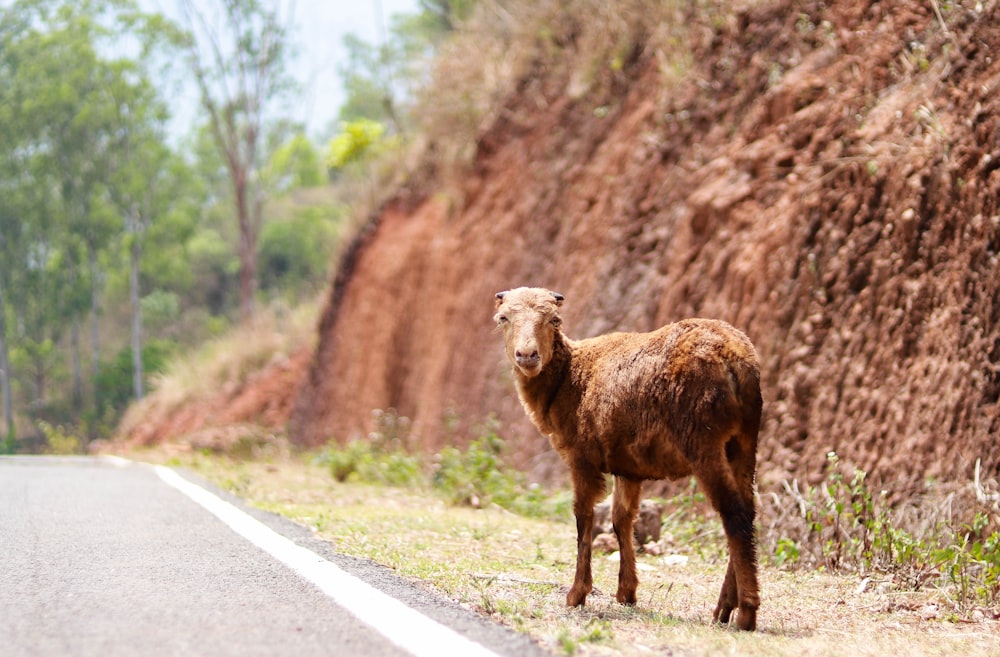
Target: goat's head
x,y
529,318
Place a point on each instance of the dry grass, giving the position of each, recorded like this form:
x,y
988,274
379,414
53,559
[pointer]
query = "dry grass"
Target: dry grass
x,y
521,48
516,570
225,362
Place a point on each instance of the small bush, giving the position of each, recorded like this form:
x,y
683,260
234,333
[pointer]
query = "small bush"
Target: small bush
x,y
360,461
114,382
478,477
59,440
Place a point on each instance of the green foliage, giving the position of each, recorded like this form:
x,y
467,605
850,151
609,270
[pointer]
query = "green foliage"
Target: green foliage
x,y
356,140
478,477
160,308
296,252
115,379
214,269
786,552
86,175
381,459
58,440
597,630
361,461
380,81
296,163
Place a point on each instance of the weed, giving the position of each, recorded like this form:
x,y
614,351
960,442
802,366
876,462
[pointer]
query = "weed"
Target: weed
x,y
844,526
373,463
59,440
786,552
478,476
597,631
486,600
566,641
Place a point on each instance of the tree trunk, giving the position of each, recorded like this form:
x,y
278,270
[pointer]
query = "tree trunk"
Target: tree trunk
x,y
74,343
95,333
5,390
39,363
136,311
247,249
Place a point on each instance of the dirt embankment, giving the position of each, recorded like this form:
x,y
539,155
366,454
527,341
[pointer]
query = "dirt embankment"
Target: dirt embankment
x,y
238,415
825,176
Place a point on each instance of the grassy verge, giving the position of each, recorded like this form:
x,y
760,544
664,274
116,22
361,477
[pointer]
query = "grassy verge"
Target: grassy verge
x,y
516,569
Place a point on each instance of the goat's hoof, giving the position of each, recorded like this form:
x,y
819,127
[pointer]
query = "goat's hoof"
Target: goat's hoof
x,y
576,598
626,598
746,619
722,614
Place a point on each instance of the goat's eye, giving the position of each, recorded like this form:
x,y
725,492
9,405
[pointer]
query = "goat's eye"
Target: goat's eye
x,y
502,319
556,321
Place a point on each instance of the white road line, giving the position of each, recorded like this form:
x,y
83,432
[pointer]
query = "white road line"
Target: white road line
x,y
401,624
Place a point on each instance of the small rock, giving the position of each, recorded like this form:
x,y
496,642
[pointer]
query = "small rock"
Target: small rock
x,y
606,543
648,522
675,560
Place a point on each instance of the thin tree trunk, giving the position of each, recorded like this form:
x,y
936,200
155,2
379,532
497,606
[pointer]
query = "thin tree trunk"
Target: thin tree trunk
x,y
8,412
247,251
74,346
95,334
74,342
39,363
136,310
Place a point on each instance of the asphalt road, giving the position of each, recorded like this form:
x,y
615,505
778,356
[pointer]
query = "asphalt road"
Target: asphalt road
x,y
105,558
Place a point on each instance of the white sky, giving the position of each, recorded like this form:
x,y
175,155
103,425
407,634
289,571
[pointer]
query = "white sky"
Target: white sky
x,y
318,32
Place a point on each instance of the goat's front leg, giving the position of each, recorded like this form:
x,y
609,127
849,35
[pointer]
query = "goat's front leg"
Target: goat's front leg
x,y
624,507
588,487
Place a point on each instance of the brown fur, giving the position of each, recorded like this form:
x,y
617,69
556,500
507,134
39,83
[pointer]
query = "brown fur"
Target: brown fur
x,y
682,400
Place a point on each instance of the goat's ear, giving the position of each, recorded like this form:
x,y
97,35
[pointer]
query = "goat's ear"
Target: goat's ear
x,y
499,298
558,297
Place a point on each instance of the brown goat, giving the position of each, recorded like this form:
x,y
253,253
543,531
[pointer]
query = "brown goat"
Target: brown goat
x,y
681,400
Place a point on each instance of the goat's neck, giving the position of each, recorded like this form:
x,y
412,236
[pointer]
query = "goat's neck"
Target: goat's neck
x,y
539,393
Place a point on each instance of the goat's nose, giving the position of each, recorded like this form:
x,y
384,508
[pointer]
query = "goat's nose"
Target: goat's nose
x,y
526,359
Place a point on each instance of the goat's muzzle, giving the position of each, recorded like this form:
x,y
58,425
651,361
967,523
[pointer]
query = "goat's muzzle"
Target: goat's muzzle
x,y
529,362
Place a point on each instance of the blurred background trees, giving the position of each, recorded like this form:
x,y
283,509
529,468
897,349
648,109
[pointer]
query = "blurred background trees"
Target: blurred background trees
x,y
122,241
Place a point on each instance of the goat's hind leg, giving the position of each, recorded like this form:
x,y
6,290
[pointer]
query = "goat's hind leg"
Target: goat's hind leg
x,y
735,504
728,598
624,507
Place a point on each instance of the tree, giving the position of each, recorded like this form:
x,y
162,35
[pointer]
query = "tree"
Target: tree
x,y
295,164
66,92
135,185
81,149
10,135
238,61
380,80
443,15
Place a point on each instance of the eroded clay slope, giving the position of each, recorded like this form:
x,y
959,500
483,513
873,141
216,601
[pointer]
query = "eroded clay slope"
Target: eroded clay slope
x,y
825,176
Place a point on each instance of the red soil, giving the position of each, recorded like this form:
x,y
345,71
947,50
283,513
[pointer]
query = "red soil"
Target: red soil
x,y
826,178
